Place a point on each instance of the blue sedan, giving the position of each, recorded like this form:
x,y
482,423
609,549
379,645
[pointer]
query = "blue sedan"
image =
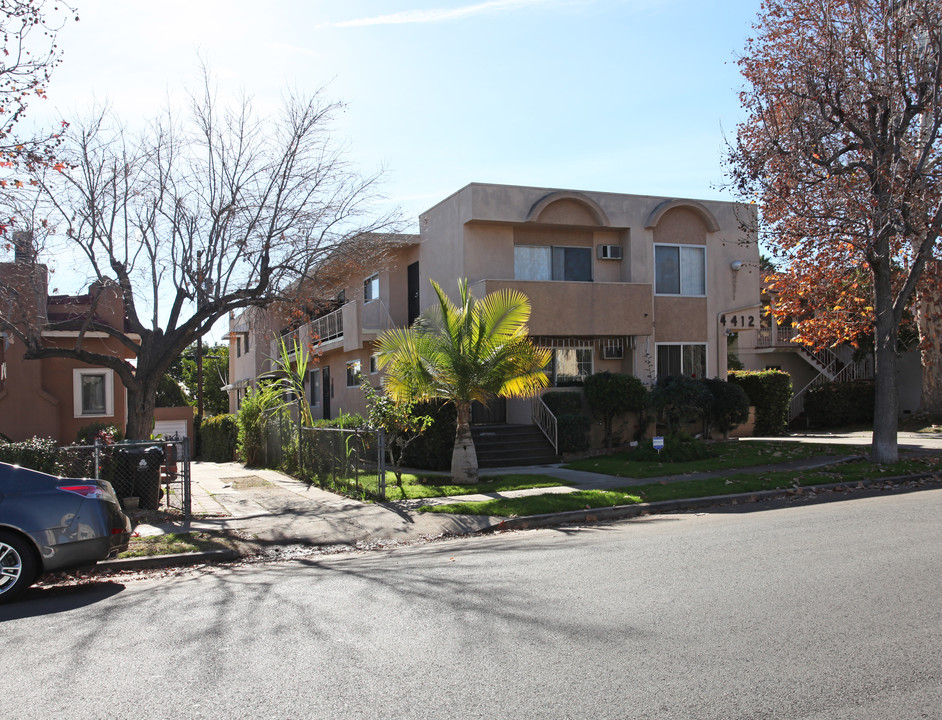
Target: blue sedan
x,y
50,523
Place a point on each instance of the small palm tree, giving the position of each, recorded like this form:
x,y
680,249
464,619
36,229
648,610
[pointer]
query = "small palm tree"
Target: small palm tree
x,y
474,351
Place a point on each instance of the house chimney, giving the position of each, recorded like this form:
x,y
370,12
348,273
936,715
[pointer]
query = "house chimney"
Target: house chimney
x,y
23,250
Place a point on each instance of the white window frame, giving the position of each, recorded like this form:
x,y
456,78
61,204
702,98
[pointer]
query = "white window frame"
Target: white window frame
x,y
682,345
77,375
554,364
357,372
371,283
680,272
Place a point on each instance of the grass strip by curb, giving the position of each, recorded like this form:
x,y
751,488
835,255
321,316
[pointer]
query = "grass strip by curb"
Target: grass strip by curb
x,y
739,483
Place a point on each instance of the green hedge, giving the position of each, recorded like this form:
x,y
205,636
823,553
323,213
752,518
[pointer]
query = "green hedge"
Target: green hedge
x,y
432,451
561,403
572,432
770,391
834,404
36,453
218,437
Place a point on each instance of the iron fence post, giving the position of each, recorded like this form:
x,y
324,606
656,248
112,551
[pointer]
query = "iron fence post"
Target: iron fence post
x,y
381,462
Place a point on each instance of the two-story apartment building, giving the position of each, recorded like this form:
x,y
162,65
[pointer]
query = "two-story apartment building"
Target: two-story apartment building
x,y
637,284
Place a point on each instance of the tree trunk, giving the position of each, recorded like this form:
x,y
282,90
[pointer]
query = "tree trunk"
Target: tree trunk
x,y
884,449
929,322
141,405
464,460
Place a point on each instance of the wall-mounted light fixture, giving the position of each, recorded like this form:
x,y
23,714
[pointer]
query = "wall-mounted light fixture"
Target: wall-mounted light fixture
x,y
735,264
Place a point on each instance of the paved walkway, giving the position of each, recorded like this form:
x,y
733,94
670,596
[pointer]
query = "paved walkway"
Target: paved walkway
x,y
271,507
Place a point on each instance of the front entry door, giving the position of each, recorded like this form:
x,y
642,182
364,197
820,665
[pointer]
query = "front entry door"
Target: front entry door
x,y
495,413
325,390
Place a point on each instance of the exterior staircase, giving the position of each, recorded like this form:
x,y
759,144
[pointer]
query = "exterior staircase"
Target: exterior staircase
x,y
511,445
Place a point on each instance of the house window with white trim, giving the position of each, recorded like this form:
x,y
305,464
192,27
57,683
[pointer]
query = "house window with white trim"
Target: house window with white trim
x,y
93,392
680,270
544,262
353,373
681,359
371,288
570,366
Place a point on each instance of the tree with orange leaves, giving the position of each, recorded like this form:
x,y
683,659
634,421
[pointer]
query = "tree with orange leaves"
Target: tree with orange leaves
x,y
842,149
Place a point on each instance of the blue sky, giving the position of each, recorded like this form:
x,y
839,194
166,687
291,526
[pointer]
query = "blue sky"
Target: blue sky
x,y
627,96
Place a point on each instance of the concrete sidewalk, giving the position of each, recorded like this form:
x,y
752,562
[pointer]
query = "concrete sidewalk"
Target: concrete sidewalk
x,y
269,508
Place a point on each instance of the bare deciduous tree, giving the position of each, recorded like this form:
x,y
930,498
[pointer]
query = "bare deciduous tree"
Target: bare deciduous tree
x,y
204,212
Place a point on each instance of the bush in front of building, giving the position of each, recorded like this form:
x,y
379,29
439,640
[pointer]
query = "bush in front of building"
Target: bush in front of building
x,y
572,432
837,404
36,454
730,406
560,403
432,451
680,400
219,436
770,391
611,395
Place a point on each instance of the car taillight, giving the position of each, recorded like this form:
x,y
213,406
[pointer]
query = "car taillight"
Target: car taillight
x,y
89,491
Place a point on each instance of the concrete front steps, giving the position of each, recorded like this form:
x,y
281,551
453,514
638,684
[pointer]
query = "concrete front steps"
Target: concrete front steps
x,y
511,445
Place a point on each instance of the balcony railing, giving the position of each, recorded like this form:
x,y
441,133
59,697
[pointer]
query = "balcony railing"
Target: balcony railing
x,y
327,328
775,337
544,419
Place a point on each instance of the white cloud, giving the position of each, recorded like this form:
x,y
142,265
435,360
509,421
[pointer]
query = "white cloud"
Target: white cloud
x,y
439,15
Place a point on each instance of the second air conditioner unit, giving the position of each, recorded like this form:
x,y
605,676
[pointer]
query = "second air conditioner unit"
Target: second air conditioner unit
x,y
609,252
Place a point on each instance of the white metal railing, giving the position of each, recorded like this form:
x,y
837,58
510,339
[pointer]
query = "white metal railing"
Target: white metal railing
x,y
775,337
326,328
544,419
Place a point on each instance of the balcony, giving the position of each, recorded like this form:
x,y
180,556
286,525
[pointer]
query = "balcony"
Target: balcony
x,y
581,308
771,337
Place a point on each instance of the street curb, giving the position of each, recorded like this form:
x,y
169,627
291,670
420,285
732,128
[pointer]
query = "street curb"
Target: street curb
x,y
150,562
618,512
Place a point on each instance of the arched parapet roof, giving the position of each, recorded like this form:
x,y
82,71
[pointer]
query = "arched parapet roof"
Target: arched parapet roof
x,y
699,208
587,204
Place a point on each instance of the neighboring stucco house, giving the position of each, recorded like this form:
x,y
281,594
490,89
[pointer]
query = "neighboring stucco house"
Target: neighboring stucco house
x,y
626,283
56,397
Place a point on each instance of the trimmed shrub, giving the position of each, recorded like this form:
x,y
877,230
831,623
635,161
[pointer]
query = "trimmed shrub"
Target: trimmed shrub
x,y
572,432
680,399
432,451
730,406
349,421
36,454
105,432
834,404
561,403
249,420
219,438
613,394
770,391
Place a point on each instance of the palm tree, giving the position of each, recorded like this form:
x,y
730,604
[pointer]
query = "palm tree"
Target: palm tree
x,y
474,351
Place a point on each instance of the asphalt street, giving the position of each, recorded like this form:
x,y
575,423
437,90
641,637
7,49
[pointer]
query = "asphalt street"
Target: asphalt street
x,y
819,611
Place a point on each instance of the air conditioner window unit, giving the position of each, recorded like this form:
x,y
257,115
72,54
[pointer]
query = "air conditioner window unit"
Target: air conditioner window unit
x,y
609,252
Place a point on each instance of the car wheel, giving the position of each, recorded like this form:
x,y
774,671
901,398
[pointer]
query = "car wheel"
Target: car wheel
x,y
18,566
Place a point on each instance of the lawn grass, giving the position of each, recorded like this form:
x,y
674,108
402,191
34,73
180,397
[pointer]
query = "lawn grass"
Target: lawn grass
x,y
440,486
733,454
173,543
654,492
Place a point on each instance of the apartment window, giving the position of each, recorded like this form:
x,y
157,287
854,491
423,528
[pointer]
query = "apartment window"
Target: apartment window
x,y
679,270
570,366
353,373
371,288
374,364
314,388
238,346
246,342
93,392
542,262
680,359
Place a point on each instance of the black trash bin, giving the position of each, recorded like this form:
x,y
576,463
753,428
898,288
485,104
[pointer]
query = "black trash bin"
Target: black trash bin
x,y
137,472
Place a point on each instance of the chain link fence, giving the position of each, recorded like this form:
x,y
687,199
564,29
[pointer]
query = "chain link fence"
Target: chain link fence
x,y
150,475
347,460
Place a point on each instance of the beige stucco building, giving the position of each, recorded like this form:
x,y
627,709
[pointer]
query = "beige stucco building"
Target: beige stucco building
x,y
626,283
